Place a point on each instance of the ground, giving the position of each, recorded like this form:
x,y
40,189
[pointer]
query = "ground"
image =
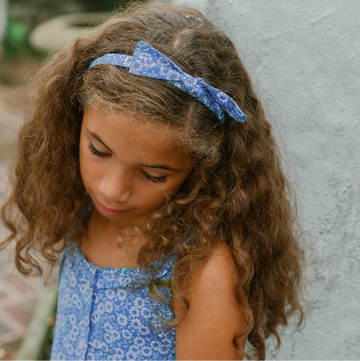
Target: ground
x,y
19,296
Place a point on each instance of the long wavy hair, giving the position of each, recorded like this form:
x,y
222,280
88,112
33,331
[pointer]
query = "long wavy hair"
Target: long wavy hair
x,y
237,195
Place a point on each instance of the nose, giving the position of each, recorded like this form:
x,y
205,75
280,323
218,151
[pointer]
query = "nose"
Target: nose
x,y
116,185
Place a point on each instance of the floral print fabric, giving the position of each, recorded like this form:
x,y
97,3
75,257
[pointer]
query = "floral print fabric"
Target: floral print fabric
x,y
147,61
108,314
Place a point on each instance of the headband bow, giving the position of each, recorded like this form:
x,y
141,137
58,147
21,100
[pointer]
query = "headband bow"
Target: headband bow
x,y
147,61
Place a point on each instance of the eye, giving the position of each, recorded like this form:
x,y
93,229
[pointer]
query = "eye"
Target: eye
x,y
94,151
162,179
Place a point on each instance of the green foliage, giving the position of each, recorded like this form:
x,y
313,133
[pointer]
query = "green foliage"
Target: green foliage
x,y
24,15
16,39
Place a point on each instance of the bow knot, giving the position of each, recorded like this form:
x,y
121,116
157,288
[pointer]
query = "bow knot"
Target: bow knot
x,y
147,61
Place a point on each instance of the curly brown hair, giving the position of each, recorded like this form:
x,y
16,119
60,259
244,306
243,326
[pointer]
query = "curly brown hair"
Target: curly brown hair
x,y
237,195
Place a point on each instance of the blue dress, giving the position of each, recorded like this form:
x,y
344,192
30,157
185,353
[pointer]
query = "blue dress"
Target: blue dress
x,y
108,314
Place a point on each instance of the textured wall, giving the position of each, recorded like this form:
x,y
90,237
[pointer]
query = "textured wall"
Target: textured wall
x,y
304,59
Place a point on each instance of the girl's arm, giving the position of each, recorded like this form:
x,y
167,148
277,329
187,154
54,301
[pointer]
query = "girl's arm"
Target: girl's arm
x,y
214,316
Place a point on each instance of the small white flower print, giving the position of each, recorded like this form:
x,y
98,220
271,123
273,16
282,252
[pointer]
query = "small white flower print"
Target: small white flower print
x,y
222,97
108,327
164,349
95,317
139,302
127,334
115,334
144,330
83,323
72,319
134,349
70,349
61,356
136,66
145,312
131,356
119,352
135,323
155,345
108,338
104,347
96,344
121,294
101,308
146,351
139,341
134,312
109,306
110,294
122,320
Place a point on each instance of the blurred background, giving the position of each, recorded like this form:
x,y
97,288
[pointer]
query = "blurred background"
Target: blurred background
x,y
303,58
29,31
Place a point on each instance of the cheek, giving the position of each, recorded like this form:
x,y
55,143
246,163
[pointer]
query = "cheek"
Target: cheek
x,y
155,195
88,169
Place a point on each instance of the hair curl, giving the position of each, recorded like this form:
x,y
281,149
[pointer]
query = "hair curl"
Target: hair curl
x,y
237,195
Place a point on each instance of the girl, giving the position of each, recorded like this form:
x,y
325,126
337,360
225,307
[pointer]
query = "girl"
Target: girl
x,y
136,159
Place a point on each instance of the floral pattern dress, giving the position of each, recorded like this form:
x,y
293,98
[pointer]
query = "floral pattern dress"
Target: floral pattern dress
x,y
108,314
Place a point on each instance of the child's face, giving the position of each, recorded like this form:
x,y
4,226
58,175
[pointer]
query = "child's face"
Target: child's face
x,y
128,170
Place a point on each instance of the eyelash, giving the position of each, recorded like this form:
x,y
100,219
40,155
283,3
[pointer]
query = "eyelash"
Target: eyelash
x,y
94,151
162,179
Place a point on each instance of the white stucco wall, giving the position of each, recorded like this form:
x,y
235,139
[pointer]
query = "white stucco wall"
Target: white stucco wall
x,y
304,58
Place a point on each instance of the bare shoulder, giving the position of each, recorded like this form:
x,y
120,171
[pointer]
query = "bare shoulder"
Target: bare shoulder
x,y
214,316
218,274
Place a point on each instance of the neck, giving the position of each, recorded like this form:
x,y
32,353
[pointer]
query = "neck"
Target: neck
x,y
107,244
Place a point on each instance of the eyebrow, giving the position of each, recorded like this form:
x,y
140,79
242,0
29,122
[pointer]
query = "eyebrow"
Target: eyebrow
x,y
160,166
94,135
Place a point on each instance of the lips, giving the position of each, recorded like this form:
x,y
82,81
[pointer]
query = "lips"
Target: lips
x,y
108,211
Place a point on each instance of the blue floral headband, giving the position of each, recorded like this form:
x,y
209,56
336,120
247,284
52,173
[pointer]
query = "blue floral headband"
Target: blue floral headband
x,y
148,62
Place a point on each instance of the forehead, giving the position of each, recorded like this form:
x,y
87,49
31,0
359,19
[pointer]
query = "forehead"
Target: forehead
x,y
124,132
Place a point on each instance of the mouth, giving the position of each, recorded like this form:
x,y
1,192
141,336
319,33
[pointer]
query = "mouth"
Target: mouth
x,y
108,211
